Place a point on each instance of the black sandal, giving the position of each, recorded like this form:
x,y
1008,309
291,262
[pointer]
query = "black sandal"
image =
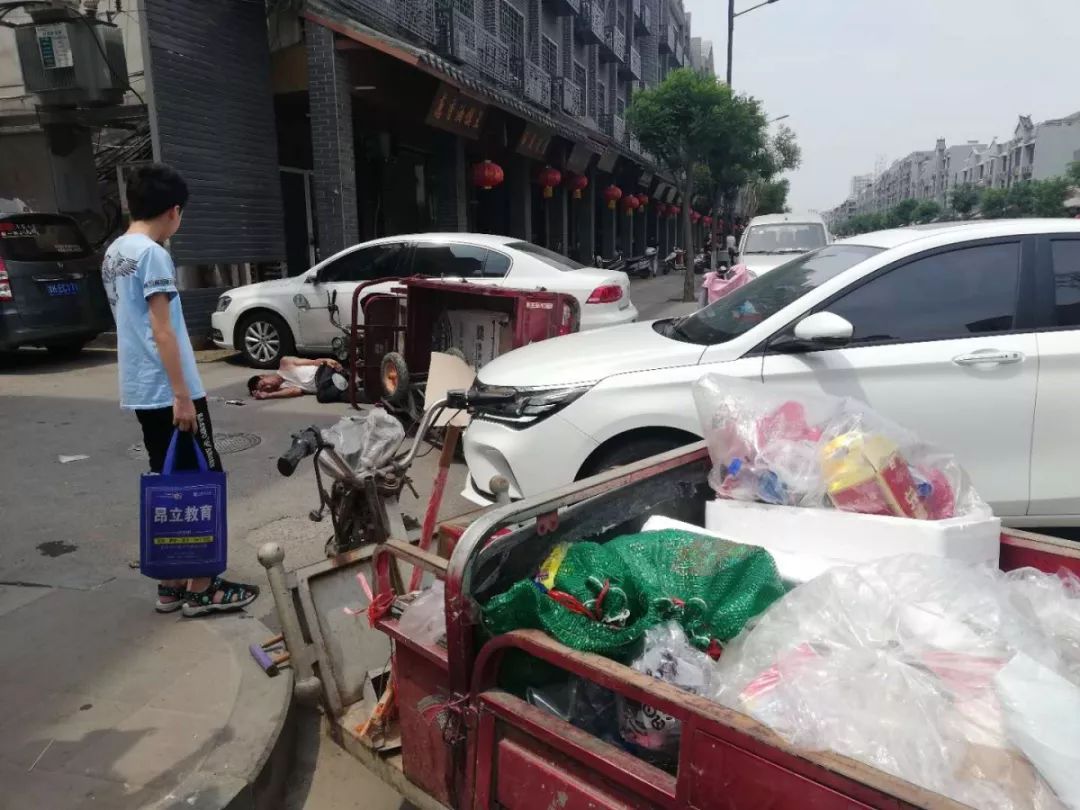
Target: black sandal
x,y
234,596
177,597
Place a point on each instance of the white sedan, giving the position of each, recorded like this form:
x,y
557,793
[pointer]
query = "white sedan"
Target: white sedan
x,y
968,334
272,319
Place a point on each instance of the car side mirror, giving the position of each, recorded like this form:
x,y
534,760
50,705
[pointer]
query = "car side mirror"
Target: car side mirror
x,y
822,330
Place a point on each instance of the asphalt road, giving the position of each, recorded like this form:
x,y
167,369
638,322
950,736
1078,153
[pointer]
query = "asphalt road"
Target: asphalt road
x,y
73,523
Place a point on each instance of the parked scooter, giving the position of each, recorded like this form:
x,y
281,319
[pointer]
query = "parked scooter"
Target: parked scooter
x,y
616,262
644,266
674,261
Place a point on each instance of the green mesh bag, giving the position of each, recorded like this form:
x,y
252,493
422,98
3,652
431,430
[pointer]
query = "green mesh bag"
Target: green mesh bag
x,y
711,587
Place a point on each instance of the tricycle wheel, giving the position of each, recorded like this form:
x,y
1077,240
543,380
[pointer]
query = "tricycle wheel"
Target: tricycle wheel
x,y
394,373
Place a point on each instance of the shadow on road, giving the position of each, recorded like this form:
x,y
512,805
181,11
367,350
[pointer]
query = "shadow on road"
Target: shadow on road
x,y
40,361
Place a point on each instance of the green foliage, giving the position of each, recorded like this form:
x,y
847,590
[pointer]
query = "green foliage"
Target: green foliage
x,y
710,140
903,213
1050,196
772,198
1029,198
993,203
963,199
1072,174
927,211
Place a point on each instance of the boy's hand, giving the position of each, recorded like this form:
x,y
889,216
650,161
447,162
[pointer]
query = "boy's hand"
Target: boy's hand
x,y
183,411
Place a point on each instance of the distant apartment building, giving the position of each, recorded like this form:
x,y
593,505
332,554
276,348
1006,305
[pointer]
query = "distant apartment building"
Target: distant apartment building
x,y
1035,152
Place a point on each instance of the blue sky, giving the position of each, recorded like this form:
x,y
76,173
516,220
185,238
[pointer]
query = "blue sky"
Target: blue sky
x,y
863,79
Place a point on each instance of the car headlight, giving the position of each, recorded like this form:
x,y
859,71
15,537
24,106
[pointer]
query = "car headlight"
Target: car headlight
x,y
526,406
223,303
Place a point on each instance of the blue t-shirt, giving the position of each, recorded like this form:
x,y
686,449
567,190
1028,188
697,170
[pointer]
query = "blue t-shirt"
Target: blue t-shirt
x,y
135,268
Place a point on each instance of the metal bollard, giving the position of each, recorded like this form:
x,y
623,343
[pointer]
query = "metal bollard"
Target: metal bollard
x,y
306,687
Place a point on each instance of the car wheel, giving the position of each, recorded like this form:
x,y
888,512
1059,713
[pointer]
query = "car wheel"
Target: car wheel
x,y
264,339
636,449
69,349
631,451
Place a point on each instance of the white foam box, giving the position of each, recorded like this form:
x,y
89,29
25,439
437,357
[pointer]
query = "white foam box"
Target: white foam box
x,y
477,333
847,537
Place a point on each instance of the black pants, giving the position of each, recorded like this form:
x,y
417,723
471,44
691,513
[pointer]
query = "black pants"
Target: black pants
x,y
157,429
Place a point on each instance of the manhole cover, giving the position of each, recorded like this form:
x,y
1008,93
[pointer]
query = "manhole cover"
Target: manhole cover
x,y
235,442
225,443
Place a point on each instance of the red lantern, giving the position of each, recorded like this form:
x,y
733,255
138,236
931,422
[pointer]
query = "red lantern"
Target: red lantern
x,y
578,183
630,204
695,217
548,178
706,221
675,210
487,175
612,194
643,202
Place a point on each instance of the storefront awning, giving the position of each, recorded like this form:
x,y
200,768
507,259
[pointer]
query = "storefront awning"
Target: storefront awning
x,y
453,74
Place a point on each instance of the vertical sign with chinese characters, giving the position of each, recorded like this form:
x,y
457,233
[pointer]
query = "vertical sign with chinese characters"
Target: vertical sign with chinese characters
x,y
455,112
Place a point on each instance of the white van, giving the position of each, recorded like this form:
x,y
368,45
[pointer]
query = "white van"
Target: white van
x,y
773,239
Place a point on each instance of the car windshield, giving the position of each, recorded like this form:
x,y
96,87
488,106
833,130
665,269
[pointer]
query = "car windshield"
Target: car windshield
x,y
40,237
548,257
788,237
768,294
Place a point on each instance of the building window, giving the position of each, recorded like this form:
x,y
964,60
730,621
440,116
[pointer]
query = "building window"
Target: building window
x,y
549,56
581,81
620,20
620,107
465,7
601,97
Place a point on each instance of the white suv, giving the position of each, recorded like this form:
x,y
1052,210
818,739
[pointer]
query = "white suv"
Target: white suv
x,y
967,333
773,239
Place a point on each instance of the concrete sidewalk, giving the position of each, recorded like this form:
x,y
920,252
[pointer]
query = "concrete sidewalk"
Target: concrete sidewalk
x,y
105,703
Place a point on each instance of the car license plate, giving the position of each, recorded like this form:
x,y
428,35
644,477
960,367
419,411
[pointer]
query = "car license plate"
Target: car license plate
x,y
62,288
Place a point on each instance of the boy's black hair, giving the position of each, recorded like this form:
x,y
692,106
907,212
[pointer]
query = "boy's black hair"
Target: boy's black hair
x,y
253,382
153,190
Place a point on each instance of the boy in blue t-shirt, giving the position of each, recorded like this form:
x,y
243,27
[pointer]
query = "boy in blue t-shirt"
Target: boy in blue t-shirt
x,y
159,380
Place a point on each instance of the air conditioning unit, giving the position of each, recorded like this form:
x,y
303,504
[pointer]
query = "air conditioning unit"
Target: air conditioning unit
x,y
72,60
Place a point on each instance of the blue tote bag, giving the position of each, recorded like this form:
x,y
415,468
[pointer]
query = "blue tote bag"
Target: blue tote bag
x,y
184,522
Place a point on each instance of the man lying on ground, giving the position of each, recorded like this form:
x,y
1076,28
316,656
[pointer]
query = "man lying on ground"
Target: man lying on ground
x,y
296,377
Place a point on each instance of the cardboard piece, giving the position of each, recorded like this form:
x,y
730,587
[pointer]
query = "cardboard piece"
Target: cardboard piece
x,y
448,373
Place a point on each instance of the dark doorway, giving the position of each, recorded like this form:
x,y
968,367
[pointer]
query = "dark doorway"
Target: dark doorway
x,y
299,224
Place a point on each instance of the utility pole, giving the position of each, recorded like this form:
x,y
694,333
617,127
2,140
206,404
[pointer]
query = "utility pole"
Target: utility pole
x,y
730,36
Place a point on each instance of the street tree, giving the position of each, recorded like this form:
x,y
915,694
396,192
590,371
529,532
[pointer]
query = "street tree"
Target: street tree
x,y
1049,197
693,123
926,211
993,203
903,213
772,197
963,199
1072,174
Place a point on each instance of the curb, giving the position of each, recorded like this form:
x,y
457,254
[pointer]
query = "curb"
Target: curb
x,y
248,770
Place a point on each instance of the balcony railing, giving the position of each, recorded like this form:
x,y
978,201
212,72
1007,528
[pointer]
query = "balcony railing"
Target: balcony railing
x,y
537,84
643,17
416,17
589,25
615,42
614,126
470,43
565,7
667,41
569,95
631,66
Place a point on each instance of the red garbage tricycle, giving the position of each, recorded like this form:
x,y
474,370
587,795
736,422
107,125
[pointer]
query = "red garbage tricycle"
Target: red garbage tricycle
x,y
390,352
461,742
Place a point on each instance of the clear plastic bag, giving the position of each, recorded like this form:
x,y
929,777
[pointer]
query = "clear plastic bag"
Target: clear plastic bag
x,y
893,663
366,442
424,620
668,656
790,448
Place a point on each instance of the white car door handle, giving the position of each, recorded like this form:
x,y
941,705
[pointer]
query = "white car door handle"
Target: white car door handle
x,y
987,357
